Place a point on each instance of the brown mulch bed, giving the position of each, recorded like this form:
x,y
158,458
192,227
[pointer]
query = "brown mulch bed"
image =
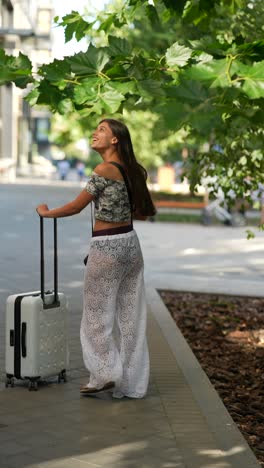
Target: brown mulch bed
x,y
226,333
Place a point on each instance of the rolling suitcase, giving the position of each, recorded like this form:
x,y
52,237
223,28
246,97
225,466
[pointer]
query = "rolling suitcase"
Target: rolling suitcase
x,y
36,330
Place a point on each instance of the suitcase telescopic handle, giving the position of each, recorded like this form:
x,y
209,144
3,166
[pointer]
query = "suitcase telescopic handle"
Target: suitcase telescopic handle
x,y
55,302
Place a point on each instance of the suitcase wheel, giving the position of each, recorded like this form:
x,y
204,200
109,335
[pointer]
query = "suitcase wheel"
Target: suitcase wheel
x,y
33,385
10,381
62,376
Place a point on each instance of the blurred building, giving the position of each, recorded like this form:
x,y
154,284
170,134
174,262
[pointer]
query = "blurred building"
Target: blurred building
x,y
25,25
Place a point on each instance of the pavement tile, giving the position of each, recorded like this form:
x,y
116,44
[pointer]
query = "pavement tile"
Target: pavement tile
x,y
10,447
167,429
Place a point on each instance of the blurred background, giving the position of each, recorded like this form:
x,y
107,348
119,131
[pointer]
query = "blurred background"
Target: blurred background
x,y
34,143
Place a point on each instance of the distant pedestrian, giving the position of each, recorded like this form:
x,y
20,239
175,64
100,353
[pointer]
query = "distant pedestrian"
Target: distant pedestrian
x,y
113,327
80,168
63,169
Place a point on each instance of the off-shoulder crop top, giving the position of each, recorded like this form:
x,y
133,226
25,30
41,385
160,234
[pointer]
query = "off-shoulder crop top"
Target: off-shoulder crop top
x,y
110,198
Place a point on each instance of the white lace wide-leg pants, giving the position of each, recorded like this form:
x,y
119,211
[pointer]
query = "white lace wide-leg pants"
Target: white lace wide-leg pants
x,y
113,327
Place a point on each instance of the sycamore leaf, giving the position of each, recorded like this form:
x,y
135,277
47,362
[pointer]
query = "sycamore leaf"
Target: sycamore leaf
x,y
16,69
252,49
87,90
152,15
75,24
116,71
178,55
107,23
111,99
118,46
49,95
90,62
177,6
55,71
150,88
32,96
65,106
97,108
214,72
253,79
129,87
191,91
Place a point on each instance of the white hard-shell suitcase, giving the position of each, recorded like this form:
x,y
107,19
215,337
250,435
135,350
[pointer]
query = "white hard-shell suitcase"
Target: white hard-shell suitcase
x,y
36,330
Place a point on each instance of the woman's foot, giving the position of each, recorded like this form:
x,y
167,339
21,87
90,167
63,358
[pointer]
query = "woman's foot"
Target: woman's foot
x,y
92,390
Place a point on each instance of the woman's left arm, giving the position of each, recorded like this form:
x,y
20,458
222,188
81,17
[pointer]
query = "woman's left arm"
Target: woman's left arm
x,y
70,209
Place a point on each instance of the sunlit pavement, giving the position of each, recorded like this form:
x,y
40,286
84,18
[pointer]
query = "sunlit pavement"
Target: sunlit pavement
x,y
170,428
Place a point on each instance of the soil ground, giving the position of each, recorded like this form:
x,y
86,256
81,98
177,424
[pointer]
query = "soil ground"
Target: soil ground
x,y
226,333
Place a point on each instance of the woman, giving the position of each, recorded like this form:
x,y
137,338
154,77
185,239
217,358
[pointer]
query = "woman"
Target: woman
x,y
113,327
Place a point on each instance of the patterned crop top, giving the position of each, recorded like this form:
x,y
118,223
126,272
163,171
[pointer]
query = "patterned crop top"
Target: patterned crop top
x,y
110,199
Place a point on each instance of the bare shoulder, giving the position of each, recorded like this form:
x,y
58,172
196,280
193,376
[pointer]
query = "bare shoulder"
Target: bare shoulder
x,y
109,171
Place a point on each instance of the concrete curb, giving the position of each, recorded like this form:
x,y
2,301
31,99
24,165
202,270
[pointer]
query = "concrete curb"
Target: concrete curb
x,y
224,429
210,285
43,182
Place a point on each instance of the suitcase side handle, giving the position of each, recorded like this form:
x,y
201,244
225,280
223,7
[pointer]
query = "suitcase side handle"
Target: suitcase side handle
x,y
24,340
56,301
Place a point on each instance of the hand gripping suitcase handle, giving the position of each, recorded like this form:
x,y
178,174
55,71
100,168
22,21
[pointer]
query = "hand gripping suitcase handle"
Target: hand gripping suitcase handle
x,y
56,301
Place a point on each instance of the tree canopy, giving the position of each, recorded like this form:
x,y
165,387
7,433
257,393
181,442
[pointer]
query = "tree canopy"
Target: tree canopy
x,y
196,64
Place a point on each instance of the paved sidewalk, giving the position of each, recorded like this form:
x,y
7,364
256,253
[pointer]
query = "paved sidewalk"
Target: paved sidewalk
x,y
182,423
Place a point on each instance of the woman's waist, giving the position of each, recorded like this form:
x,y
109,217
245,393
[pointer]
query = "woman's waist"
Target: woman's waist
x,y
113,230
101,224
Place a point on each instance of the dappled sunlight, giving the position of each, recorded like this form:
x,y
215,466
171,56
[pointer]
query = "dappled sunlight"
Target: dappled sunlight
x,y
191,251
223,453
72,284
256,261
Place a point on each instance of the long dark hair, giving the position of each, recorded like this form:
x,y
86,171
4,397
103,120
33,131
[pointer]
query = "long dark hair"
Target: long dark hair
x,y
136,173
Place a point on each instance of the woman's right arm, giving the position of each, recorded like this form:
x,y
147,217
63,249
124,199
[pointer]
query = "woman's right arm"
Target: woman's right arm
x,y
70,209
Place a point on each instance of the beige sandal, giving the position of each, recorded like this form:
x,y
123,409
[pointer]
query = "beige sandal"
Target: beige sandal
x,y
84,390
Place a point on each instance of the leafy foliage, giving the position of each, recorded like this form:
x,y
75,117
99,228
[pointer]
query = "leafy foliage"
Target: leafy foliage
x,y
197,64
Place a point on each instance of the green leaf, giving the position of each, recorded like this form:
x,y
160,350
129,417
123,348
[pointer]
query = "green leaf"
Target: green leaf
x,y
150,88
203,57
214,72
152,15
243,161
65,106
118,46
178,55
107,23
252,49
192,91
16,69
116,71
55,71
129,87
177,6
90,62
250,234
32,96
253,77
97,108
87,90
75,24
111,99
49,95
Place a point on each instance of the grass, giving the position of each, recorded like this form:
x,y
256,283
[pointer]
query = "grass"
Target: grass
x,y
192,218
178,218
176,197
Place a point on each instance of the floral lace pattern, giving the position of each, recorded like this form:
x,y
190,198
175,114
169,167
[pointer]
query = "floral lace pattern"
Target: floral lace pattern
x,y
113,327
